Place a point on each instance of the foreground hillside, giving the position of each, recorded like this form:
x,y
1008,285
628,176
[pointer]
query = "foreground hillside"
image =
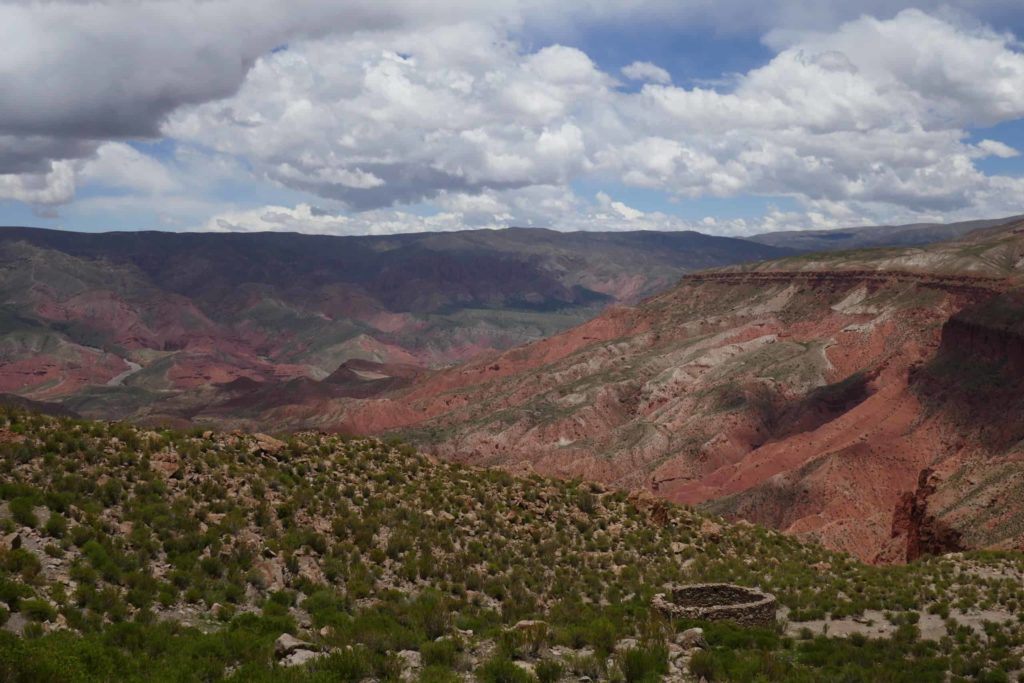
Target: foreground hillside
x,y
142,555
844,398
115,323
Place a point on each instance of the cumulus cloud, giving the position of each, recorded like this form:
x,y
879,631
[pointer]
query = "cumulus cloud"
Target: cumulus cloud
x,y
55,186
375,106
866,117
398,118
305,218
118,165
646,71
994,148
76,74
538,206
872,114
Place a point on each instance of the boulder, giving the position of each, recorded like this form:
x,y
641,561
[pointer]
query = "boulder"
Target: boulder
x,y
11,541
286,644
309,569
411,659
268,444
692,639
712,531
271,573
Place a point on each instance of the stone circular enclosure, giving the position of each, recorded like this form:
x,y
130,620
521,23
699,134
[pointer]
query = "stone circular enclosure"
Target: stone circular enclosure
x,y
718,602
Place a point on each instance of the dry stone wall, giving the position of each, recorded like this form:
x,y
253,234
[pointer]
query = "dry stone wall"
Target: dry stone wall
x,y
718,602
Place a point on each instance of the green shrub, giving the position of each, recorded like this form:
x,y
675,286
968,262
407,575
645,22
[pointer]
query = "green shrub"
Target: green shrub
x,y
22,512
644,664
502,670
56,526
702,665
37,610
438,674
444,652
548,670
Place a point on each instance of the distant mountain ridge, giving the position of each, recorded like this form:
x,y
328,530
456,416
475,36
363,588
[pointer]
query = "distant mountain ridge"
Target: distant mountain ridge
x,y
120,319
865,237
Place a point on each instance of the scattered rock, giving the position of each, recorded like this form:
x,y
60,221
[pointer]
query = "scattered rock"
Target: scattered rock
x,y
525,666
165,463
712,531
530,624
300,657
626,644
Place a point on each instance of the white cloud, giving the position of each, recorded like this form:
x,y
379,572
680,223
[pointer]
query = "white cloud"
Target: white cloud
x,y
308,219
398,117
536,206
871,115
53,187
397,103
122,166
862,117
626,212
646,71
994,148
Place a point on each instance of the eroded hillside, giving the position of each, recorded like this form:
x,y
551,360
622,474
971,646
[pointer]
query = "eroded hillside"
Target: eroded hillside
x,y
792,393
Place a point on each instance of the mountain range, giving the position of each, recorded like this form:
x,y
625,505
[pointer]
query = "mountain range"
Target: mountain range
x,y
114,321
839,396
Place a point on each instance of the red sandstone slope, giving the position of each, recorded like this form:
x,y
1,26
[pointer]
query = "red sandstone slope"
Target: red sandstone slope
x,y
795,394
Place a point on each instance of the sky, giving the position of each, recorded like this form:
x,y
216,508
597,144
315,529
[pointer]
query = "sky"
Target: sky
x,y
731,117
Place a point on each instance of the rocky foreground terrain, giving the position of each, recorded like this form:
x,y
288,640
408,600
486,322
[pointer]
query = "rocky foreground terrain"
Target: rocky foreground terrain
x,y
133,554
846,398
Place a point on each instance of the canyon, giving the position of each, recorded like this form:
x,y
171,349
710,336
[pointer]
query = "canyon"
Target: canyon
x,y
842,397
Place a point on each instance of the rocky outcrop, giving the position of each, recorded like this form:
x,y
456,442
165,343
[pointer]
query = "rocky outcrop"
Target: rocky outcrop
x,y
964,284
979,365
924,534
991,331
